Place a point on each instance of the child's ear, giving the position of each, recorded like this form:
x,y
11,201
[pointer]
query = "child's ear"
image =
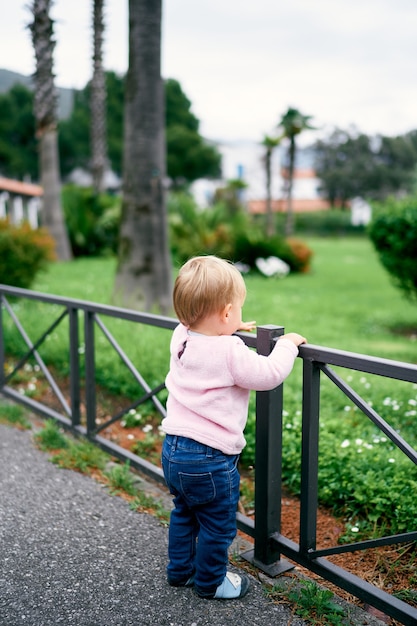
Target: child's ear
x,y
225,312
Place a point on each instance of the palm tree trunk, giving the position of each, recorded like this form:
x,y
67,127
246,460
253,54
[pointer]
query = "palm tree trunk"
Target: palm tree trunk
x,y
289,223
143,279
270,230
98,102
46,127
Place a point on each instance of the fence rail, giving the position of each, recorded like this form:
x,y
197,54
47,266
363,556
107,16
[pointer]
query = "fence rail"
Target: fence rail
x,y
269,543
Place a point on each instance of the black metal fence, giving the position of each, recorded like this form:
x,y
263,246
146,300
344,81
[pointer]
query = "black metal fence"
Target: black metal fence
x,y
78,413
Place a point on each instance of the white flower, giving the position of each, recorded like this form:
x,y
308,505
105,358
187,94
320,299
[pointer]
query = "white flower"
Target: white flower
x,y
345,443
272,266
387,401
412,402
354,529
391,460
359,442
147,428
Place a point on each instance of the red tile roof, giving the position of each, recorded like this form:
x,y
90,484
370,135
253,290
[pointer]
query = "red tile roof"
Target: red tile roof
x,y
19,188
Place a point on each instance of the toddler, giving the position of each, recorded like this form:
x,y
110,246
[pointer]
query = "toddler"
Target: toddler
x,y
211,374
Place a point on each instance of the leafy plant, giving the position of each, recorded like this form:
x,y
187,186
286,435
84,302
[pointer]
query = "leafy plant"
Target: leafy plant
x,y
24,252
146,503
51,437
312,603
92,220
121,479
131,419
81,456
393,231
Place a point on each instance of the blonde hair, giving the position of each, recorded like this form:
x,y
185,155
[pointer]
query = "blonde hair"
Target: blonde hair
x,y
205,285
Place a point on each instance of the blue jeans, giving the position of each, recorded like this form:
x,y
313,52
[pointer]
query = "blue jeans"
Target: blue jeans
x,y
205,485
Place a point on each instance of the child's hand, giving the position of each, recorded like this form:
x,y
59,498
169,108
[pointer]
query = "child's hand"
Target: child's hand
x,y
295,338
248,326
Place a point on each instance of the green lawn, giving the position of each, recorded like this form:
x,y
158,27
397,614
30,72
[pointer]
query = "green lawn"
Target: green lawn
x,y
347,301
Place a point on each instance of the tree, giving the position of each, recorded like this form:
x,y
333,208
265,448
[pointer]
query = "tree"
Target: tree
x,y
344,163
189,156
98,102
351,164
18,153
143,278
293,123
46,126
269,143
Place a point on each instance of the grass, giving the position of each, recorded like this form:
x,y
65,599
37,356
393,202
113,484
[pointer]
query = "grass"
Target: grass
x,y
347,301
14,415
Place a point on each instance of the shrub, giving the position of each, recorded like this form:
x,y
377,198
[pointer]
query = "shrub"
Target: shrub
x,y
393,231
92,220
24,252
326,223
194,231
251,245
302,254
229,234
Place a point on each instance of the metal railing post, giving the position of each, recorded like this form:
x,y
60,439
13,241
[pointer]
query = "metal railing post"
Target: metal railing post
x,y
309,456
268,471
74,359
2,350
90,378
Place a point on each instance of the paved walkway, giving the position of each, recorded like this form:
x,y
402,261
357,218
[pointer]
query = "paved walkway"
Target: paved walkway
x,y
72,554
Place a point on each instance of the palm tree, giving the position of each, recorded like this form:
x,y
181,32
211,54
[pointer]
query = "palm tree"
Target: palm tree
x,y
143,279
269,143
292,123
46,126
98,102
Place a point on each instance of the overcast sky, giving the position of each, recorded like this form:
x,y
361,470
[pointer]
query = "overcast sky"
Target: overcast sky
x,y
242,63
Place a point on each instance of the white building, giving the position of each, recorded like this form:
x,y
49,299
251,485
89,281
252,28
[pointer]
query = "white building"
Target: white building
x,y
245,160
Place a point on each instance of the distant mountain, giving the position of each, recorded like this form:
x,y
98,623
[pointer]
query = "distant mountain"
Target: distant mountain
x,y
65,96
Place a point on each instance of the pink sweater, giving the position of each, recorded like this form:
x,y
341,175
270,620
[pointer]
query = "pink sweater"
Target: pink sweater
x,y
209,383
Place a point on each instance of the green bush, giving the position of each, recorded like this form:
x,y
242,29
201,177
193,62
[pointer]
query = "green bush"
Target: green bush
x,y
194,231
92,220
229,234
325,223
393,231
24,252
251,244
